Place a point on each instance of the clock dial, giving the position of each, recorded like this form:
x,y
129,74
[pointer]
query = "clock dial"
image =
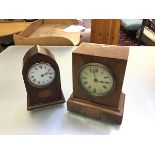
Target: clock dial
x,y
41,74
96,79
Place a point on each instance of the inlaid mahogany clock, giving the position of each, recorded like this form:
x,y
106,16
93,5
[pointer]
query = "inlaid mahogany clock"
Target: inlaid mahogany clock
x,y
42,78
98,74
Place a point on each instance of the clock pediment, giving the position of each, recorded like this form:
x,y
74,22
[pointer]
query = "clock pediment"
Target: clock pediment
x,y
101,50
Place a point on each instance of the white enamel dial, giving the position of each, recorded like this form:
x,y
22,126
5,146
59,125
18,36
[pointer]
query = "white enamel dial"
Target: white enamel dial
x,y
41,74
96,79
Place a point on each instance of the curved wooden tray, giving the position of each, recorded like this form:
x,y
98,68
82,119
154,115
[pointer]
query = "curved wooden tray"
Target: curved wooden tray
x,y
48,32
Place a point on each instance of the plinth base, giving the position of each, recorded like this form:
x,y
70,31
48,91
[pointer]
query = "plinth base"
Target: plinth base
x,y
31,106
97,111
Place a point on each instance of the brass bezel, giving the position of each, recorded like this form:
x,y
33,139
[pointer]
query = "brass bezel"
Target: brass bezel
x,y
107,69
43,85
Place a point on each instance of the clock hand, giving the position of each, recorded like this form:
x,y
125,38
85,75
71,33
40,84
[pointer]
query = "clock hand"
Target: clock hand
x,y
95,79
44,74
100,81
94,76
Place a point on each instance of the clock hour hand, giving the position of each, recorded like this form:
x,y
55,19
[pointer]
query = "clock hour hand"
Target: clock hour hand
x,y
103,81
100,81
42,75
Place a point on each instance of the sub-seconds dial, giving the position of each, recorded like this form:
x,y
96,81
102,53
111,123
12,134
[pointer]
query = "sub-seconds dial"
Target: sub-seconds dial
x,y
41,74
96,79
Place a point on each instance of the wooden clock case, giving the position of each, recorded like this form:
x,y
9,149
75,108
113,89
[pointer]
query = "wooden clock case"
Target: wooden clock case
x,y
49,95
107,107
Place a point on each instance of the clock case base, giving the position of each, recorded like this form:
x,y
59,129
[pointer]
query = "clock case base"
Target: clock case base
x,y
97,111
31,106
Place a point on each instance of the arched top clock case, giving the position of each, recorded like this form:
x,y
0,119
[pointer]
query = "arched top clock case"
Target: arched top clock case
x,y
49,94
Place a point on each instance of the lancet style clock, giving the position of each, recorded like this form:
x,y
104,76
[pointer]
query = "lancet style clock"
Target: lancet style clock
x,y
42,78
98,74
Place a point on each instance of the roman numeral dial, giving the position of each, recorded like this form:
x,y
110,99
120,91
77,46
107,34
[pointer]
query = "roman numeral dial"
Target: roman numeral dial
x,y
41,74
96,79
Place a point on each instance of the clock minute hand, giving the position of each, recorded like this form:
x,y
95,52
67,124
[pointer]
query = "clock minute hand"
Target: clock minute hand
x,y
94,74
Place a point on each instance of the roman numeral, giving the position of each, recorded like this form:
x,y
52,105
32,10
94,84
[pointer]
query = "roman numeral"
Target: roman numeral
x,y
85,82
84,77
96,70
89,87
34,80
106,82
104,87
